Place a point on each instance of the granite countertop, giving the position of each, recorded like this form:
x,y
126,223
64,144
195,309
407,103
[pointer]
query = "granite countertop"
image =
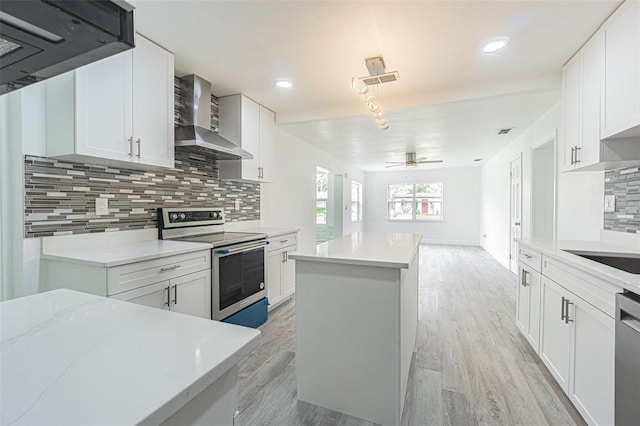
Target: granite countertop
x,y
73,358
615,276
126,253
388,250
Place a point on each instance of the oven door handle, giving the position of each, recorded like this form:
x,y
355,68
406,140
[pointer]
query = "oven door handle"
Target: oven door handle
x,y
242,249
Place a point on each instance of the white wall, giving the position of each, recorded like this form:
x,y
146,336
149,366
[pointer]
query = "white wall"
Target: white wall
x,y
579,194
290,200
461,204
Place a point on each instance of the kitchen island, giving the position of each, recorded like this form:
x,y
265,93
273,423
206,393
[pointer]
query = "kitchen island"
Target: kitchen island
x,y
76,359
356,322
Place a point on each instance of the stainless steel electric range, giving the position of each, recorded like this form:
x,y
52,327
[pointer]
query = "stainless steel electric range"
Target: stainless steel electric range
x,y
237,260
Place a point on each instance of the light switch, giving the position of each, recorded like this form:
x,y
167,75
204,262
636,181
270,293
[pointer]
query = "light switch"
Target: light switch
x,y
102,206
609,203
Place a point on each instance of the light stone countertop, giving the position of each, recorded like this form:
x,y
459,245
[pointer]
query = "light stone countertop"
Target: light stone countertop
x,y
272,232
77,359
123,254
615,276
387,250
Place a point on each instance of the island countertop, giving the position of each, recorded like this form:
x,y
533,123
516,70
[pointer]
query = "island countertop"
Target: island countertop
x,y
387,250
73,358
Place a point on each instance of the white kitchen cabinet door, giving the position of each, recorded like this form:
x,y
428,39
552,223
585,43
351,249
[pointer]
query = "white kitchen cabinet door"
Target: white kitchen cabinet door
x,y
191,294
154,295
592,363
592,64
555,334
266,152
622,71
152,104
288,276
240,123
274,276
529,306
571,110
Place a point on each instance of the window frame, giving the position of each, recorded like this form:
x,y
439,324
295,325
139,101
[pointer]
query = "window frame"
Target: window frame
x,y
414,200
321,171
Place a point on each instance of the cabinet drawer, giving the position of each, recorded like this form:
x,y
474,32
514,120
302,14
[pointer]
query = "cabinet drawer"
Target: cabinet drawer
x,y
593,290
135,275
282,241
530,258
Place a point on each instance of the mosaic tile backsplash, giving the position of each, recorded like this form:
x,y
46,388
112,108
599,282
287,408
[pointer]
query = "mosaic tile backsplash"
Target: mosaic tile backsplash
x,y
60,196
625,185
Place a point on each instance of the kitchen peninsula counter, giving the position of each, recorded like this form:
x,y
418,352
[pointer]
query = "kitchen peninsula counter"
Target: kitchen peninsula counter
x,y
356,322
73,358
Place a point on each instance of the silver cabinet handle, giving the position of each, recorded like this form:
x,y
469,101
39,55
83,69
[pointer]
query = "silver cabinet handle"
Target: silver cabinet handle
x,y
138,142
528,256
130,146
175,294
260,172
283,241
562,309
169,268
168,302
524,278
577,152
566,315
286,256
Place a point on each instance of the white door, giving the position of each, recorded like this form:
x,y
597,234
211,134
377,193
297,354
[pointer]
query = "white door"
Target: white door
x,y
152,104
592,363
523,301
274,276
191,294
103,108
154,295
288,275
555,334
516,211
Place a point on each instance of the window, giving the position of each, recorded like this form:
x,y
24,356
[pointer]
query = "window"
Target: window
x,y
356,201
416,202
322,188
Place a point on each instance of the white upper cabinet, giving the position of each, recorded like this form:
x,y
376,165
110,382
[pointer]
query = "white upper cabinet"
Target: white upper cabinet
x,y
115,111
622,72
250,126
581,97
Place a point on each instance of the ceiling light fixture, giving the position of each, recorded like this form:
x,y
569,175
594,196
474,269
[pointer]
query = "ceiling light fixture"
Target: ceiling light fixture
x,y
284,84
378,75
495,45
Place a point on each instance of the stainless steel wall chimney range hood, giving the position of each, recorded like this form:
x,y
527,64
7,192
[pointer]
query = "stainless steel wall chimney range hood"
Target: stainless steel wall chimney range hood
x,y
195,112
43,38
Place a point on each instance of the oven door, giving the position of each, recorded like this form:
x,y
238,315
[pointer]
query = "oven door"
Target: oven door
x,y
238,277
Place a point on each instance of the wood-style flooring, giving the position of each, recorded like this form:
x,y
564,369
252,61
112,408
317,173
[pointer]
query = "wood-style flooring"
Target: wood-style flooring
x,y
471,366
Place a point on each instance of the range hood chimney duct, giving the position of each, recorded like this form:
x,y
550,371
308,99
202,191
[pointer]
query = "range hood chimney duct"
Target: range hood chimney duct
x,y
196,117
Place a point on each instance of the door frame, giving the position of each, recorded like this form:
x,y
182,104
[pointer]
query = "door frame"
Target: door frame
x,y
551,139
513,247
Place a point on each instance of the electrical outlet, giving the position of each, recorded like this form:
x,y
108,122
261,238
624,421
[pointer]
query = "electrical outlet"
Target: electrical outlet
x,y
237,204
102,206
609,203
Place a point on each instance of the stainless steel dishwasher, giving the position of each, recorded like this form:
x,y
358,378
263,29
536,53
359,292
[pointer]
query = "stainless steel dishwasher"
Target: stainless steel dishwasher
x,y
627,359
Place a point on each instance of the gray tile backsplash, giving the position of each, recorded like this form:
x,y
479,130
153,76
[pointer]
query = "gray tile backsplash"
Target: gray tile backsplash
x,y
60,196
625,185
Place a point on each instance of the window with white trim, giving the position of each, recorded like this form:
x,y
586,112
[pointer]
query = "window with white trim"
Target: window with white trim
x,y
356,201
322,189
415,202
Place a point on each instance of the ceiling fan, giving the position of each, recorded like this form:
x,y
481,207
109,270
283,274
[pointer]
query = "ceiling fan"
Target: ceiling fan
x,y
411,161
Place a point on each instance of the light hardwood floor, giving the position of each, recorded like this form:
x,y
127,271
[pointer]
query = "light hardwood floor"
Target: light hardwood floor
x,y
471,366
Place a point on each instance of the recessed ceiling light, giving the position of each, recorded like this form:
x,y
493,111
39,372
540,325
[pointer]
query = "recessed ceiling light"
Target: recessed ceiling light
x,y
495,45
284,84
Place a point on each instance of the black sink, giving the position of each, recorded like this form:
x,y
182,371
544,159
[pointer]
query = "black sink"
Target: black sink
x,y
623,261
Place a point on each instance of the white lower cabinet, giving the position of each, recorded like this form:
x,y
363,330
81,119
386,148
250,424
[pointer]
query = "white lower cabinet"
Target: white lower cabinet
x,y
577,346
528,305
280,269
189,294
180,283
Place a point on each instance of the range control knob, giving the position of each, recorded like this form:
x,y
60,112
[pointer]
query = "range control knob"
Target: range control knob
x,y
213,215
183,216
173,217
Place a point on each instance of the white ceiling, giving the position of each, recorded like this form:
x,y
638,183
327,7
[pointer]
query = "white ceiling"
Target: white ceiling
x,y
450,101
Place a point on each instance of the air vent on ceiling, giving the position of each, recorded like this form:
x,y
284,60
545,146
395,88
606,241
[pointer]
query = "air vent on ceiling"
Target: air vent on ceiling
x,y
379,79
505,131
